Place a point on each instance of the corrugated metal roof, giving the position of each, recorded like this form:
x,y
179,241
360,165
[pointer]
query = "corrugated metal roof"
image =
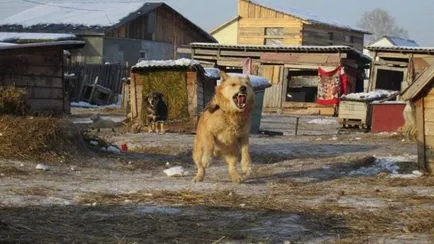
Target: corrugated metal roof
x,y
271,47
285,8
59,44
402,49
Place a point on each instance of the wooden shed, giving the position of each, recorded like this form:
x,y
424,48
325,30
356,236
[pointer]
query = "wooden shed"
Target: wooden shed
x,y
421,94
292,70
183,83
40,69
396,67
263,22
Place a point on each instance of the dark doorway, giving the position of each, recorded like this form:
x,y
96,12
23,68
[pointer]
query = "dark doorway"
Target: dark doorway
x,y
389,79
302,86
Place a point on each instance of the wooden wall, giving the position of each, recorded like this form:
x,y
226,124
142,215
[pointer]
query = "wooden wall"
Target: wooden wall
x,y
164,25
323,35
425,127
40,72
254,19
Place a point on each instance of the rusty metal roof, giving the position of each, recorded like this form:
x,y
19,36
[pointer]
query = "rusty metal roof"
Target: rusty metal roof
x,y
402,49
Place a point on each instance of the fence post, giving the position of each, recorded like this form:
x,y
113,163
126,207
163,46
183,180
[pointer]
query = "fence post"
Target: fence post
x,y
297,119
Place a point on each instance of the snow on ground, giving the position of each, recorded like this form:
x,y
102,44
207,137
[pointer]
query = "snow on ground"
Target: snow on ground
x,y
323,121
389,165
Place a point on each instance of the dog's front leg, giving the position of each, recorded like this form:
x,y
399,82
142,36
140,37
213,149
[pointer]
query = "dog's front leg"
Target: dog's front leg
x,y
246,167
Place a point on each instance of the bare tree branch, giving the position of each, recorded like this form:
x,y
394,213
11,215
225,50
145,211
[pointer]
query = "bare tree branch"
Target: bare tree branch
x,y
380,23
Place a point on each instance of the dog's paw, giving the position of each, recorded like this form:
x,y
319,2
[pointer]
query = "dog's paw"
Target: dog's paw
x,y
197,179
237,179
247,172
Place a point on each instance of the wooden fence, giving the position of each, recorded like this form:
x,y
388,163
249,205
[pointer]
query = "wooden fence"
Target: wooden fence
x,y
109,76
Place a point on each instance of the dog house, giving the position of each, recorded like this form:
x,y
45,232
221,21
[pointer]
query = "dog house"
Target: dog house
x,y
183,83
421,94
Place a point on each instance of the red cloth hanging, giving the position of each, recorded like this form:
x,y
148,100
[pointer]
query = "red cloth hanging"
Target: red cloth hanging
x,y
331,85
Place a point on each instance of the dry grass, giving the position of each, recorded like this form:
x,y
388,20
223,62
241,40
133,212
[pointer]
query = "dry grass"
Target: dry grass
x,y
12,171
13,101
34,191
410,217
39,138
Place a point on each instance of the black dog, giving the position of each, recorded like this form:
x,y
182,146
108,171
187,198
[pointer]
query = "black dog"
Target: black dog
x,y
157,112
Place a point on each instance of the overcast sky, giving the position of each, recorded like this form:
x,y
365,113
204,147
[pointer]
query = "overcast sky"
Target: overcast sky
x,y
415,16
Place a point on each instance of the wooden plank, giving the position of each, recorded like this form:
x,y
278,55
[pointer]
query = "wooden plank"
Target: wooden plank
x,y
429,100
33,81
391,63
429,128
34,70
33,58
191,93
240,53
46,93
37,105
419,84
420,134
393,55
299,58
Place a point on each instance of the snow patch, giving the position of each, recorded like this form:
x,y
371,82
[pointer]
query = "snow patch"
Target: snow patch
x,y
166,63
387,164
20,36
369,96
82,104
322,122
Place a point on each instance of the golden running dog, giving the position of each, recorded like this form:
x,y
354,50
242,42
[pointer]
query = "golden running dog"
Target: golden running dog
x,y
223,128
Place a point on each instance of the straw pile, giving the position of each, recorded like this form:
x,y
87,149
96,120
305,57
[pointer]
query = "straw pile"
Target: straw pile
x,y
39,138
13,101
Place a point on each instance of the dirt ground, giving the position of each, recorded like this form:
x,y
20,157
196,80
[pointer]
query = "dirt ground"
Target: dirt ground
x,y
322,186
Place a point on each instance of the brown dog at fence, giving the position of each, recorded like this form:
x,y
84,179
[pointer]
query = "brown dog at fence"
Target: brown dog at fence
x,y
223,128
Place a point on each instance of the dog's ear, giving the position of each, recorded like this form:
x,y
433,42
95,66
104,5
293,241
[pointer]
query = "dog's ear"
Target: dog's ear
x,y
223,76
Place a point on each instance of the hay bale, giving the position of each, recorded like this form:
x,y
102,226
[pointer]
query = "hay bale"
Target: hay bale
x,y
173,85
40,139
13,101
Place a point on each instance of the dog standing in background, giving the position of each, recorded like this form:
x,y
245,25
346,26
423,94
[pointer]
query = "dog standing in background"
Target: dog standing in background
x,y
223,128
157,112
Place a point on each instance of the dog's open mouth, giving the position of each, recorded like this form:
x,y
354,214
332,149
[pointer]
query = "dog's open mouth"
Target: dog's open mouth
x,y
240,99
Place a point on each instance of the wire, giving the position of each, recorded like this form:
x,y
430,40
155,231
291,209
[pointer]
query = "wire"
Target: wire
x,y
69,7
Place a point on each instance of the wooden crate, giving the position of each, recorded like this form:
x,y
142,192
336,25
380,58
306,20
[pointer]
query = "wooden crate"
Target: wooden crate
x,y
354,113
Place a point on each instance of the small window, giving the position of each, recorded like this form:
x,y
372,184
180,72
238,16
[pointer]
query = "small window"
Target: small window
x,y
331,36
273,41
273,31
